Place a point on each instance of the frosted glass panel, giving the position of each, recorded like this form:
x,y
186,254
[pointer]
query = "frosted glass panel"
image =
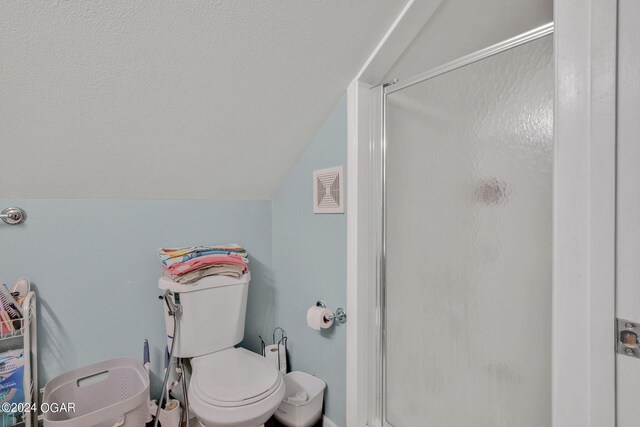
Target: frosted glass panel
x,y
469,215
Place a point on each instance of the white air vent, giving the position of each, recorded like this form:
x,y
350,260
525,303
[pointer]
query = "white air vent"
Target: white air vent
x,y
327,191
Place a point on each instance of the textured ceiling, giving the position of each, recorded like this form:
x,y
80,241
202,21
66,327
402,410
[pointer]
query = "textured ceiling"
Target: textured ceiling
x,y
166,99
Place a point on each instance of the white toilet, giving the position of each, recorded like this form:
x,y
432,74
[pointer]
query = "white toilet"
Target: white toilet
x,y
229,387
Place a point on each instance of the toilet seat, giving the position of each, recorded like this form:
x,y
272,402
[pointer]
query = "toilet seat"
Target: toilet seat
x,y
233,377
234,388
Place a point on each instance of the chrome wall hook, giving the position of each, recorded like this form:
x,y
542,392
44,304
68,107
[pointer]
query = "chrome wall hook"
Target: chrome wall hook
x,y
13,216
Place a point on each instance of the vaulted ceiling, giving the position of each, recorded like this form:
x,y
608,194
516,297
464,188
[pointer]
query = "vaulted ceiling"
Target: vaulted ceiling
x,y
174,100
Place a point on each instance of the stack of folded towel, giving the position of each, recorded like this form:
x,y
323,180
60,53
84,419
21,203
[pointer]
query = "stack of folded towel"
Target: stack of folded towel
x,y
188,265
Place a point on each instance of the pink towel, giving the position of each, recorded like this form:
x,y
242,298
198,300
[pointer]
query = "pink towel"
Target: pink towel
x,y
204,261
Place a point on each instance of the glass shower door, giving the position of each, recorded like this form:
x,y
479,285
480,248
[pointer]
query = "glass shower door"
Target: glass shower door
x,y
468,217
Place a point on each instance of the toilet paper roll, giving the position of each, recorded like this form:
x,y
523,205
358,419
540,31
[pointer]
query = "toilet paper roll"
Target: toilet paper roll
x,y
170,415
318,318
271,353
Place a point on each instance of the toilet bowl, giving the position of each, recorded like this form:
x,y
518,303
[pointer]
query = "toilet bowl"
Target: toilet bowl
x,y
234,388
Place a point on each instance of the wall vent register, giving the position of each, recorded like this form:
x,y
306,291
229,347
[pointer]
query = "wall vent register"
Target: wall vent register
x,y
328,194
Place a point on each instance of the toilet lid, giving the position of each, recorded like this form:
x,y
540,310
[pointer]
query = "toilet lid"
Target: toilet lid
x,y
233,376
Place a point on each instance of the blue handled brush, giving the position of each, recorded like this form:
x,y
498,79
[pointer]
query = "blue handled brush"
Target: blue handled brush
x,y
145,353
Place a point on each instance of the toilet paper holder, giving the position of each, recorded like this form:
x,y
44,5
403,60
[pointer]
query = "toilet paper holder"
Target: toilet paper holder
x,y
281,342
339,315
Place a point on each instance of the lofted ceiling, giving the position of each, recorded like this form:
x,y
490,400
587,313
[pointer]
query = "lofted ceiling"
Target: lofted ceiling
x,y
171,100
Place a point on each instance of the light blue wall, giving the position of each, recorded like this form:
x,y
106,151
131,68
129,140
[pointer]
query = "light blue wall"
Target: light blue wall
x,y
95,267
309,261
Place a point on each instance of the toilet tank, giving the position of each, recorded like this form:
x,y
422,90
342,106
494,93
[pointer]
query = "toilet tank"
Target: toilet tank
x,y
213,314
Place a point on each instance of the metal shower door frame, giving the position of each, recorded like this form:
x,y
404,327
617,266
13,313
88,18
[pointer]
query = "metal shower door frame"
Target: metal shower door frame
x,y
378,101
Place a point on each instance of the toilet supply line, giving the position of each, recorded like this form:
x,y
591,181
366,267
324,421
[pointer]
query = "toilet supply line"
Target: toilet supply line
x,y
185,394
174,309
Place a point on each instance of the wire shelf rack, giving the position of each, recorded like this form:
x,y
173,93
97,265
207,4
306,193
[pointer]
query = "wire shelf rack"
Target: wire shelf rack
x,y
21,334
12,328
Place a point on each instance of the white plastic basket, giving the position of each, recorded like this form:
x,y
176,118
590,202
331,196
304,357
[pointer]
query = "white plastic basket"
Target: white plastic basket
x,y
113,393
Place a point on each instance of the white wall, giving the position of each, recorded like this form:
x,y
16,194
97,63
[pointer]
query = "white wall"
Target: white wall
x,y
628,204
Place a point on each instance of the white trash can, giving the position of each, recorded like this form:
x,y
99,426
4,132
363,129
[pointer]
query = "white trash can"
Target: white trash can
x,y
302,402
107,394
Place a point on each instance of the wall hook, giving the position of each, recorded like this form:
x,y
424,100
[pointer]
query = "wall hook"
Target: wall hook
x,y
13,216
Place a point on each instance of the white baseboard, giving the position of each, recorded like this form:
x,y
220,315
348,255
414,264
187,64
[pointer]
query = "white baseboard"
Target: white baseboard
x,y
326,422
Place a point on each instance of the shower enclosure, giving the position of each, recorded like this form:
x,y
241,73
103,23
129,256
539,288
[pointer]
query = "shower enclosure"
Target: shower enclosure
x,y
465,160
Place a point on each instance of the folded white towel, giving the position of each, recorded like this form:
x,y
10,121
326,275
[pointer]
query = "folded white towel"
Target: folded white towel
x,y
298,398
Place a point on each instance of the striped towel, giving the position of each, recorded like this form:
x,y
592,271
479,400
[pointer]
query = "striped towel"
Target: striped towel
x,y
188,265
170,257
